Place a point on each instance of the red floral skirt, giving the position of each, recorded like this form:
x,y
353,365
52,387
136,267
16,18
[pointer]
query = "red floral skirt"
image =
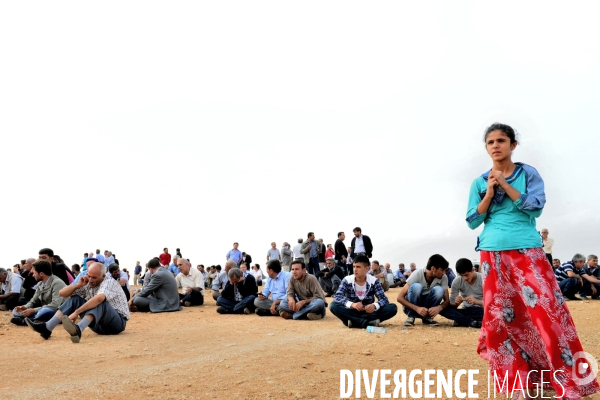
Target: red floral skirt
x,y
528,336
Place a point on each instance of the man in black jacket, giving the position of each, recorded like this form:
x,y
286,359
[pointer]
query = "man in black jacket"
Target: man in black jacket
x,y
59,269
361,244
238,295
28,281
340,252
330,277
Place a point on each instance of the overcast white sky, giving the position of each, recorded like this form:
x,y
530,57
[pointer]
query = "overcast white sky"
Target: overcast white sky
x,y
132,126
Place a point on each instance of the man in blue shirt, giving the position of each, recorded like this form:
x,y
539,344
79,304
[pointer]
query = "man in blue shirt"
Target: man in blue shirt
x,y
108,258
354,302
399,278
173,267
276,286
99,256
234,254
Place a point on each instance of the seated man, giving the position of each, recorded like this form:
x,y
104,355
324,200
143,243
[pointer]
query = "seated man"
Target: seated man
x,y
45,301
466,289
29,281
121,277
160,294
276,286
210,276
380,274
191,282
173,267
239,293
555,263
59,269
591,269
399,278
221,279
244,268
424,290
571,275
305,298
10,289
354,302
99,301
408,272
389,274
330,277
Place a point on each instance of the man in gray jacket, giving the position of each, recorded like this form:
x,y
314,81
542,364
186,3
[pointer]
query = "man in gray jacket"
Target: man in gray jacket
x,y
311,249
287,256
45,301
160,294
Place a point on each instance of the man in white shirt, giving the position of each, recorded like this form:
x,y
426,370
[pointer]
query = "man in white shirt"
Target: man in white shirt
x,y
297,254
10,289
191,283
548,243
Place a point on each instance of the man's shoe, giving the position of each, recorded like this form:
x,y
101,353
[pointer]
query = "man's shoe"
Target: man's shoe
x,y
455,324
73,329
410,321
573,297
39,327
313,316
222,310
350,324
17,321
375,322
430,321
261,312
285,315
583,297
475,324
247,311
187,303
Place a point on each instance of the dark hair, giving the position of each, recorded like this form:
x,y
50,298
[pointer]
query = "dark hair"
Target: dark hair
x,y
46,251
375,262
274,265
201,265
340,234
298,262
218,267
113,267
75,267
85,254
43,266
310,234
437,261
401,265
23,262
166,248
154,263
463,265
362,259
357,229
505,129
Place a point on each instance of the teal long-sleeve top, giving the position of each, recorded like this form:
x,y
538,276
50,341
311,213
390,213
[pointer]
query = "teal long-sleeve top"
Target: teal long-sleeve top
x,y
508,225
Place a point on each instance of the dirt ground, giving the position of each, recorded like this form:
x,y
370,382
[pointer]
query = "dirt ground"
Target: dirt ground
x,y
198,354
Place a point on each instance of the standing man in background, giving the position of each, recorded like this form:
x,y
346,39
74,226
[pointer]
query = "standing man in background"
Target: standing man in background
x,y
234,254
548,243
136,272
165,258
286,256
340,252
310,248
361,244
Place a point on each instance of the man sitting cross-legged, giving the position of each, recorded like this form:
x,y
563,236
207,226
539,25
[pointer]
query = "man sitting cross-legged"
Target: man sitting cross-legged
x,y
354,302
305,298
238,295
45,300
276,286
191,282
424,290
330,277
467,289
98,300
159,294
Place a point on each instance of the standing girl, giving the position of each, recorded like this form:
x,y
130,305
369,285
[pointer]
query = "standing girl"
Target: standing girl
x,y
527,333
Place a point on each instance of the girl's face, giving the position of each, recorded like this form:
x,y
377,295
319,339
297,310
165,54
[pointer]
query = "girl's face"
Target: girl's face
x,y
498,145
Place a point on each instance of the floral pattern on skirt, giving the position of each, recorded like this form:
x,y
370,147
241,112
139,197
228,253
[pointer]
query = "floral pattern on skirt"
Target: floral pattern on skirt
x,y
527,326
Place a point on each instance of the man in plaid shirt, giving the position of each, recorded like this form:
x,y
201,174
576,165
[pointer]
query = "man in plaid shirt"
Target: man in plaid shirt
x,y
99,301
354,302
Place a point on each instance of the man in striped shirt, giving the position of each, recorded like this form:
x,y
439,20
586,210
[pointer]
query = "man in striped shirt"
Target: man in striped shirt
x,y
571,275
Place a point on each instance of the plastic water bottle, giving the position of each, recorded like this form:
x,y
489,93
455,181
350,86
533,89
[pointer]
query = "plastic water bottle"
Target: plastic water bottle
x,y
376,329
